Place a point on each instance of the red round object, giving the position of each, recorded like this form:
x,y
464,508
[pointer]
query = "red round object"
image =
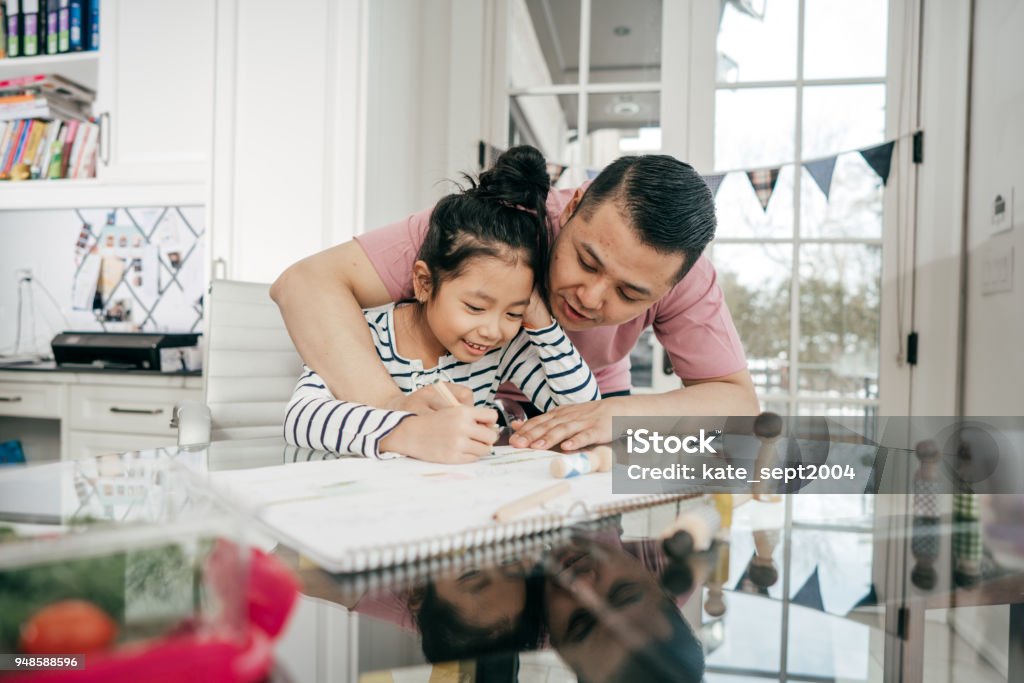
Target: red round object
x,y
67,627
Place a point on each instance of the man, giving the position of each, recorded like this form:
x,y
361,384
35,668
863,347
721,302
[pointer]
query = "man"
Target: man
x,y
626,256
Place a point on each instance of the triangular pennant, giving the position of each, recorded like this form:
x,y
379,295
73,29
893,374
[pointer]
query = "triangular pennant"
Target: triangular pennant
x,y
763,181
714,181
487,155
592,173
809,594
821,170
880,159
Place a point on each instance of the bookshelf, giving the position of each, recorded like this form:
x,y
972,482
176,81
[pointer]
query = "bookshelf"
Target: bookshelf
x,y
81,67
153,79
93,192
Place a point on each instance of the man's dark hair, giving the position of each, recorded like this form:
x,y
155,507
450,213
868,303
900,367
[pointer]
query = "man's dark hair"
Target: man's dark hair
x,y
664,200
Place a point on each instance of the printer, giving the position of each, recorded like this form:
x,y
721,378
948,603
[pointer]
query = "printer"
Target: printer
x,y
160,351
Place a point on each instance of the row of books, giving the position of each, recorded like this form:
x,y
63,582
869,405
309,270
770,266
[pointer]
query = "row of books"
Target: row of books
x,y
44,96
47,27
31,149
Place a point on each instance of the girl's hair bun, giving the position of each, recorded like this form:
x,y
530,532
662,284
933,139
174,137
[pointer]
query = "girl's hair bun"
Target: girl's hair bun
x,y
519,178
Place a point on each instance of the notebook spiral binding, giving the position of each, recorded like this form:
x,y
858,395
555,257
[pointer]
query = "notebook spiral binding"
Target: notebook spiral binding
x,y
368,558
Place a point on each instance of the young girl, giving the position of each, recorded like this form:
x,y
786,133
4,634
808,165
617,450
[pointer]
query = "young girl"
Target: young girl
x,y
484,254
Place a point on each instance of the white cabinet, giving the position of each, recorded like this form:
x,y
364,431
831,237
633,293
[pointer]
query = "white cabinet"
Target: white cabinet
x,y
127,410
155,90
288,143
81,414
26,399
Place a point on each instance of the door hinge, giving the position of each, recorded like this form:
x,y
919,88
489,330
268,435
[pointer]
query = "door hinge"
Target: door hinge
x,y
918,153
903,624
912,348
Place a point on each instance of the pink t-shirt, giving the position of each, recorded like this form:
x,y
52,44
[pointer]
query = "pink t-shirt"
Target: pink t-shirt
x,y
691,321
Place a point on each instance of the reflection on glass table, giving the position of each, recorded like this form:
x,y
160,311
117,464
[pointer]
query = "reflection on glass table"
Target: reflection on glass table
x,y
124,564
810,587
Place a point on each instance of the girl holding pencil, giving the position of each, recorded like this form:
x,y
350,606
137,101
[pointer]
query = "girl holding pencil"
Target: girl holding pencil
x,y
477,321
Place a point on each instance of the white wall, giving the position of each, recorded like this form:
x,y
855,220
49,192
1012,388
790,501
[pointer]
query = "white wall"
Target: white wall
x,y
940,208
428,82
44,241
995,323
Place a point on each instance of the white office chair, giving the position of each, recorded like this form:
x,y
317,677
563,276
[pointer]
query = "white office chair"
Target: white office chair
x,y
250,368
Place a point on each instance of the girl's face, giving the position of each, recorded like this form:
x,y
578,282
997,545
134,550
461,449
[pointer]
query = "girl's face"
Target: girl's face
x,y
480,309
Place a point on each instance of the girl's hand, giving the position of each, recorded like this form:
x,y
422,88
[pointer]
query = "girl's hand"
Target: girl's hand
x,y
453,435
537,315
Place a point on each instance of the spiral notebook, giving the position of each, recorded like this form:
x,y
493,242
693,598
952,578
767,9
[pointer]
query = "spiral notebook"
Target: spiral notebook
x,y
354,514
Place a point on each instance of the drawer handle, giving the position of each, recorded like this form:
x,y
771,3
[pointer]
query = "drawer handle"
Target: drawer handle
x,y
10,399
136,411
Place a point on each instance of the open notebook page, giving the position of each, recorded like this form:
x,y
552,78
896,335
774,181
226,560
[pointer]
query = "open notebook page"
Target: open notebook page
x,y
355,514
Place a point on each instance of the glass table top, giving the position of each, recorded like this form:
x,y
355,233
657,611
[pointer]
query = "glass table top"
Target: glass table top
x,y
852,587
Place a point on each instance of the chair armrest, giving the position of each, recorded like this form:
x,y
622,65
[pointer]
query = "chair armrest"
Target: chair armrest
x,y
193,422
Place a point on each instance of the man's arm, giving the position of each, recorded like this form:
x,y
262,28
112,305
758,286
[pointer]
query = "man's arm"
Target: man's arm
x,y
577,426
321,299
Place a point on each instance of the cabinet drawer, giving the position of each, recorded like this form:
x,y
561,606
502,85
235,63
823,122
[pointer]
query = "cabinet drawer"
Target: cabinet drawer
x,y
89,444
23,399
126,410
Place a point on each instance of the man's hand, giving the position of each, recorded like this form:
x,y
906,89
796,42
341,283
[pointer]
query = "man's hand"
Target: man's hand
x,y
573,426
452,436
428,399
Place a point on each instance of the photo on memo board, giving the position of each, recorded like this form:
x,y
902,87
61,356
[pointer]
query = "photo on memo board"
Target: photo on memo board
x,y
139,269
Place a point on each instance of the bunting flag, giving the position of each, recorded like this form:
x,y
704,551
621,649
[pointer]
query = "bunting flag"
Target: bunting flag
x,y
593,173
809,594
555,171
763,181
487,155
821,170
714,181
879,158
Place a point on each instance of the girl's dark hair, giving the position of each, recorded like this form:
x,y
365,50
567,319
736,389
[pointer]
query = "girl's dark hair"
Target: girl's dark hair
x,y
446,637
501,211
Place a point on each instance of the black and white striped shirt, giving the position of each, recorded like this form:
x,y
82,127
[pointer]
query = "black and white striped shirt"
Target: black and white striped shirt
x,y
542,363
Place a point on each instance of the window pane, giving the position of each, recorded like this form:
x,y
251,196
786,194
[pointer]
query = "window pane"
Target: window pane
x,y
853,208
754,127
842,117
641,360
845,38
755,43
755,279
834,509
740,213
837,567
851,412
544,42
839,320
778,407
622,123
625,41
548,122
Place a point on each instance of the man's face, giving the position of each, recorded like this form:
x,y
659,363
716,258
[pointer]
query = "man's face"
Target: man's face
x,y
601,274
602,606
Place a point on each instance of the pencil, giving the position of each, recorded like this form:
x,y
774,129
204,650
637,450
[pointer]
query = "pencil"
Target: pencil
x,y
535,499
446,394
